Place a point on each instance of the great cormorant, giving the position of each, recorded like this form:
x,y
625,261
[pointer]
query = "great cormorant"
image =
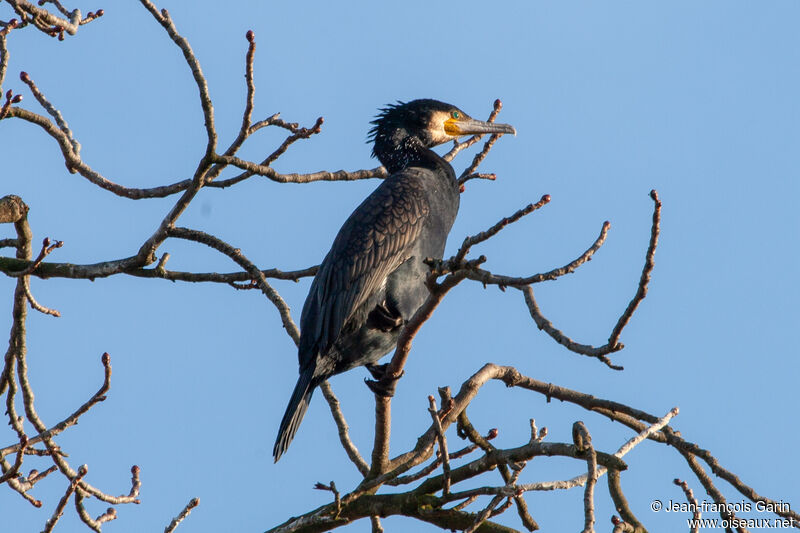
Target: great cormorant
x,y
373,278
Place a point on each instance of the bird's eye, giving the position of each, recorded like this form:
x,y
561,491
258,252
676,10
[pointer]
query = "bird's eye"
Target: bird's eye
x,y
455,114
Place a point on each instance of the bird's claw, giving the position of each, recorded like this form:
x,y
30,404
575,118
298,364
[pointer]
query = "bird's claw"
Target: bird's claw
x,y
384,384
377,371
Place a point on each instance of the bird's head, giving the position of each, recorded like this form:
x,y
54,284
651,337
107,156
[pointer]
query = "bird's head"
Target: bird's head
x,y
428,121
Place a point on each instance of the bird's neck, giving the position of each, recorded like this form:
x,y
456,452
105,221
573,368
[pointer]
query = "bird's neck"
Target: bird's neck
x,y
400,150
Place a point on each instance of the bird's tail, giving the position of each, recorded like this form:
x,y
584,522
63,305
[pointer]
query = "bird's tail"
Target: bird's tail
x,y
294,412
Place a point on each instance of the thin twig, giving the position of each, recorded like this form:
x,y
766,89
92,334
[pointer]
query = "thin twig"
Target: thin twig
x,y
75,163
337,500
433,465
725,511
477,175
48,22
487,146
483,236
488,278
341,425
620,502
484,514
72,419
127,266
163,18
45,251
274,175
693,504
583,442
644,280
584,349
52,111
444,454
59,510
466,429
242,261
93,523
621,452
13,471
194,502
11,98
34,304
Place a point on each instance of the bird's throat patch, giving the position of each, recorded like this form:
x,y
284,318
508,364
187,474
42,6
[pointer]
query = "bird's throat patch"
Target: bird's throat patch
x,y
451,127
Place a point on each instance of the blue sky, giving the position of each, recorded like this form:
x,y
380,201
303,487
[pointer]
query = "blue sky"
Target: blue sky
x,y
696,100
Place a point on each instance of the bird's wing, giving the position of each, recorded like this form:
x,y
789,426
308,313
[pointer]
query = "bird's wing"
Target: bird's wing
x,y
373,242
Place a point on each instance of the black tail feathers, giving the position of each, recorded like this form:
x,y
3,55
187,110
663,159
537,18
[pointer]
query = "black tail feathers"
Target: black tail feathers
x,y
294,412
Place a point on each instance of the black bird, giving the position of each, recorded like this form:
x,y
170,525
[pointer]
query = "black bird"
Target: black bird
x,y
373,279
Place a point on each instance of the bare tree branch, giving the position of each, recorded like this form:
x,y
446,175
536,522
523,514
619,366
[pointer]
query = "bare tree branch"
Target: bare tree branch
x,y
59,511
49,23
194,502
242,261
583,442
442,440
621,503
163,18
341,425
649,263
695,506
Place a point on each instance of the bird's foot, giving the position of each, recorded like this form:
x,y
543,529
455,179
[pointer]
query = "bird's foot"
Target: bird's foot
x,y
377,371
384,383
384,318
